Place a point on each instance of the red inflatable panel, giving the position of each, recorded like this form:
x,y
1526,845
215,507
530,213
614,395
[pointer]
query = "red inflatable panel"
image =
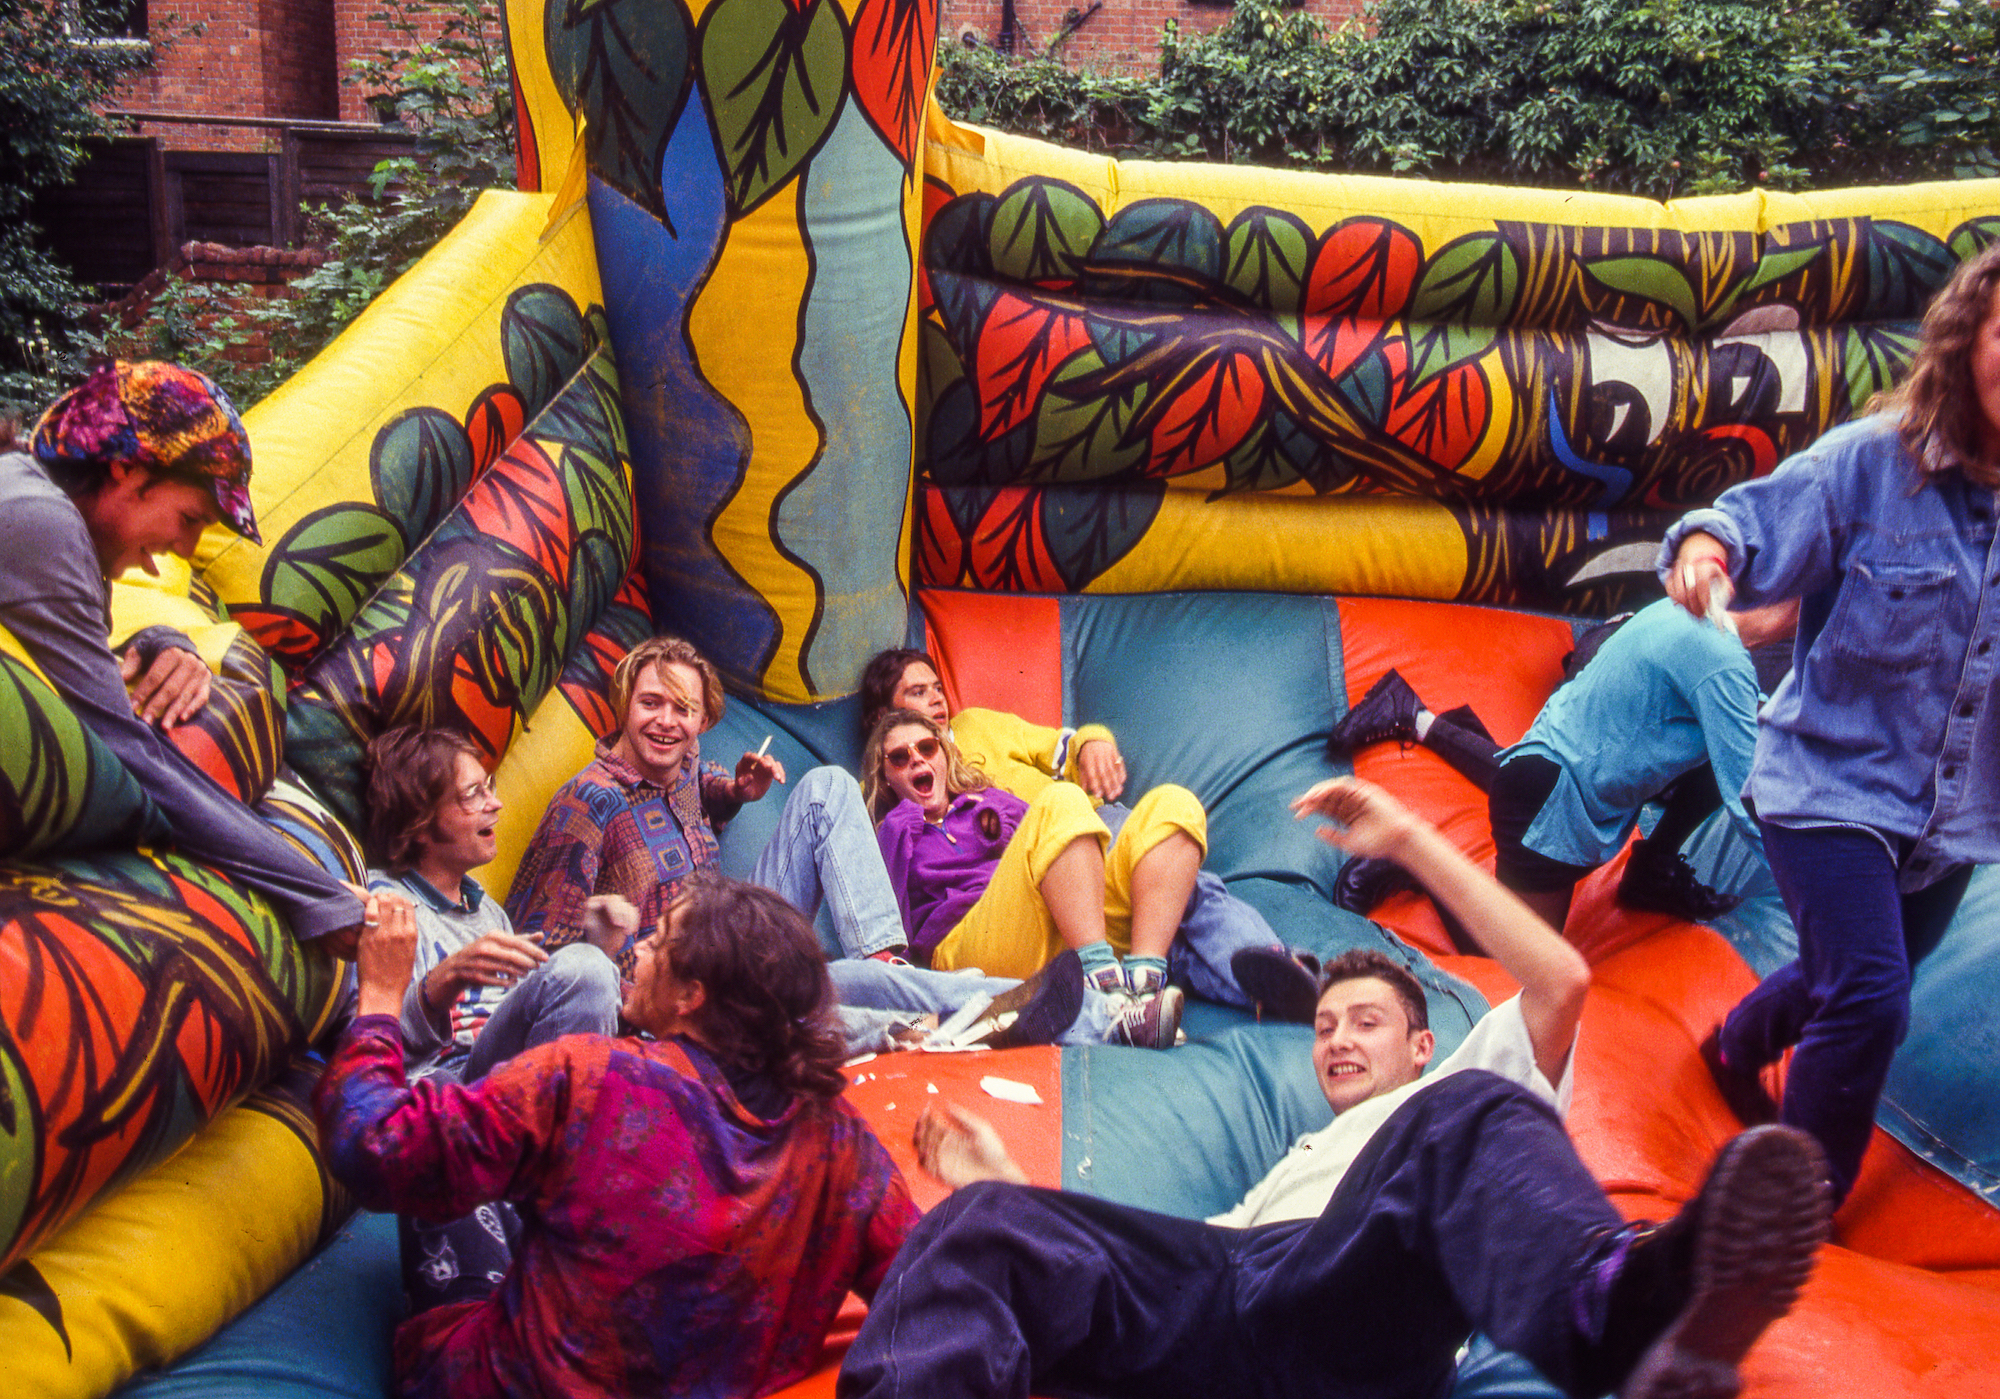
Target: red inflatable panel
x,y
997,652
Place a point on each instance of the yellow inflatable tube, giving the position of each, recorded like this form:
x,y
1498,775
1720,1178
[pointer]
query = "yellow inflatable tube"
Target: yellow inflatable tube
x,y
154,1270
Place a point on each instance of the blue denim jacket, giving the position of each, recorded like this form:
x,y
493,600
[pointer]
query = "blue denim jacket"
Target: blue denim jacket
x,y
1885,721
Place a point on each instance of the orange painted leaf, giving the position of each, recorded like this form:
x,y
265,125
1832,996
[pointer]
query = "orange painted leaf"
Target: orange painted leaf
x,y
1362,275
893,44
1008,551
1208,416
1444,417
1020,346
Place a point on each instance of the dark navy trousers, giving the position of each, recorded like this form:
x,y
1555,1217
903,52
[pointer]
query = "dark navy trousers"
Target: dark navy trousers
x,y
1845,1003
1468,1210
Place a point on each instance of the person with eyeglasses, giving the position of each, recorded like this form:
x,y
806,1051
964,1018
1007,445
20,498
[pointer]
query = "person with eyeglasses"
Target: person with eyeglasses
x,y
480,992
984,879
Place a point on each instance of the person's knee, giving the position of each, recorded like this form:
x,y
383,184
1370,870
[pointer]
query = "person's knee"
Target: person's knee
x,y
825,789
1065,801
579,969
1174,805
1874,1010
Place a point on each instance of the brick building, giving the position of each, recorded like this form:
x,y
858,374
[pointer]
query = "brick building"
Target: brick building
x,y
1107,34
251,58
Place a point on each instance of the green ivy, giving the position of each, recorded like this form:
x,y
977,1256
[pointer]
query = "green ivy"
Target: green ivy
x,y
1658,97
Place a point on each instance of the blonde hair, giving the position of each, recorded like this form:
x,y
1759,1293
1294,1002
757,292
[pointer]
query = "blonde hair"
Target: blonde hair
x,y
959,776
663,651
1938,414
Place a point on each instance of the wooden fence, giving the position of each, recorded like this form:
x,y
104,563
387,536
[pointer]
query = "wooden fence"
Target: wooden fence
x,y
134,203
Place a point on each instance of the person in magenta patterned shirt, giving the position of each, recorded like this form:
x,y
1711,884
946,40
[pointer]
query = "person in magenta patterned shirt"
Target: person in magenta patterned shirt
x,y
696,1206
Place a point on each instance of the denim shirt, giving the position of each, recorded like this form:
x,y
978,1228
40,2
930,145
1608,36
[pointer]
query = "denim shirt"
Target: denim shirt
x,y
1885,721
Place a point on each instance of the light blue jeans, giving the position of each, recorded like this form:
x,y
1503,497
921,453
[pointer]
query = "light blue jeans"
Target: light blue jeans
x,y
825,850
878,997
575,992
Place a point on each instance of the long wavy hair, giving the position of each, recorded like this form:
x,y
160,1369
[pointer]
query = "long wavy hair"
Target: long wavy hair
x,y
663,651
1937,412
881,679
959,775
410,772
768,1006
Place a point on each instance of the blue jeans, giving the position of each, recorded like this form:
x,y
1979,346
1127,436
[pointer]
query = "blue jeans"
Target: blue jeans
x,y
825,848
877,997
1467,1210
575,992
1846,1001
1216,926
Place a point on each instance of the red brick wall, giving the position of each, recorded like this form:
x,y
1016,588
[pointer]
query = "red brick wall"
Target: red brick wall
x,y
252,58
355,35
1123,34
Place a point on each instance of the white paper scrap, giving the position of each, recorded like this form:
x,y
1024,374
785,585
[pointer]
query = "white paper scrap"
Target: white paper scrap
x,y
1008,1091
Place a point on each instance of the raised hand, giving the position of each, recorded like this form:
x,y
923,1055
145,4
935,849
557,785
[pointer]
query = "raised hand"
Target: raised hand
x,y
754,775
960,1147
1362,818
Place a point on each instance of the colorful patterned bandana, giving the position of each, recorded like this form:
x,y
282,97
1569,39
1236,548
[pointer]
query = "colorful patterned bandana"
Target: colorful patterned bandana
x,y
160,416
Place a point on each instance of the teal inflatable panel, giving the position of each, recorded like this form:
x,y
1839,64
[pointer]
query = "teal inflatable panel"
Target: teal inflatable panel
x,y
1231,695
322,1333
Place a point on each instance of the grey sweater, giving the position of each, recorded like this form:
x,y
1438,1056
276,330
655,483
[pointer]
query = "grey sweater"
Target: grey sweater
x,y
56,603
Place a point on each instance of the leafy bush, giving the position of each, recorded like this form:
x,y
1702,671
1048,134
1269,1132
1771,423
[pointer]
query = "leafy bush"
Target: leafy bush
x,y
1659,97
50,82
446,80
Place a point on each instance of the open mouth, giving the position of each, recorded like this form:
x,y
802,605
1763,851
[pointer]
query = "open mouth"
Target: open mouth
x,y
1344,1070
923,783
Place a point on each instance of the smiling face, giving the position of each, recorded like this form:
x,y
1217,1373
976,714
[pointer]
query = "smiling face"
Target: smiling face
x,y
137,514
463,832
1362,1042
662,720
913,766
921,690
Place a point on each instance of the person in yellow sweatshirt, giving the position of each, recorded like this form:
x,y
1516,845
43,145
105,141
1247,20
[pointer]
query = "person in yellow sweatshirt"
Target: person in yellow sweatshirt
x,y
1225,952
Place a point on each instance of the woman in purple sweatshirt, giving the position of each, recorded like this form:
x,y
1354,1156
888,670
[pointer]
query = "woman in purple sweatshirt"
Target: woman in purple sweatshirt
x,y
988,880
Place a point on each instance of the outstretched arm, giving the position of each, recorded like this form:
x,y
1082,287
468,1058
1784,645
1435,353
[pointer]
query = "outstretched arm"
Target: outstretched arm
x,y
960,1147
1365,820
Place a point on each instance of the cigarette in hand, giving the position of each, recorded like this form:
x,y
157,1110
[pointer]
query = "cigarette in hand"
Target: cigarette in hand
x,y
764,747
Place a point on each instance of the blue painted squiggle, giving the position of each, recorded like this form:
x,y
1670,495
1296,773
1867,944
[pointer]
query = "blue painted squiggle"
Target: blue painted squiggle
x,y
1616,480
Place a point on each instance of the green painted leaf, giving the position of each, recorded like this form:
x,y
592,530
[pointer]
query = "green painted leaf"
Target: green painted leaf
x,y
1463,297
1266,258
1087,531
1779,263
544,340
330,562
938,364
624,65
420,465
1874,357
1167,250
1651,279
1042,230
1974,236
1082,434
1278,454
775,78
1906,266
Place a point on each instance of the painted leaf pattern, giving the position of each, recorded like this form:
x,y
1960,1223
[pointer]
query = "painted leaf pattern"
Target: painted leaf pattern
x,y
775,76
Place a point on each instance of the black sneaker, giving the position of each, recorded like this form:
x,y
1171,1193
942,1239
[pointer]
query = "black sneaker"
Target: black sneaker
x,y
1669,886
1745,1093
1366,880
1035,1012
1281,984
1389,710
1697,1291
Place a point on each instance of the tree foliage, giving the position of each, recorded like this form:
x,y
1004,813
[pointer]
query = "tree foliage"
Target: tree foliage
x,y
50,82
1658,97
444,78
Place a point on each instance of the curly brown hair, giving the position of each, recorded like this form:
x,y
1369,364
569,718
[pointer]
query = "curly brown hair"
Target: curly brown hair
x,y
410,770
767,1004
1360,962
1937,412
959,775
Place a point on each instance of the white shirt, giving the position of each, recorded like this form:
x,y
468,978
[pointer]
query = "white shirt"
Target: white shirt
x,y
1299,1186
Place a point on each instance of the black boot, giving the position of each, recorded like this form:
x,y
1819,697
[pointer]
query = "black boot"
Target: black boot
x,y
1693,1295
1282,983
1669,885
1366,880
1389,710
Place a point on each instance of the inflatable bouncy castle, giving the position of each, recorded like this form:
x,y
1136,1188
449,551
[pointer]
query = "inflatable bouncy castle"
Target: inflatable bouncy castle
x,y
769,352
